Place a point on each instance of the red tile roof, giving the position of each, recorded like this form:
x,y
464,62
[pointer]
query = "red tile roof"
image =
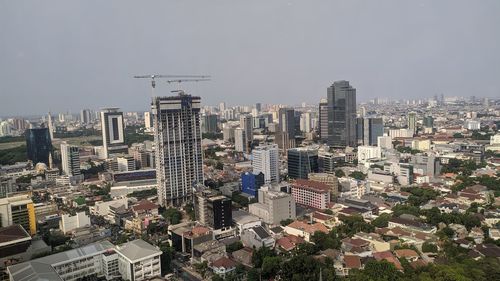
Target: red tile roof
x,y
224,262
309,228
352,261
311,185
144,205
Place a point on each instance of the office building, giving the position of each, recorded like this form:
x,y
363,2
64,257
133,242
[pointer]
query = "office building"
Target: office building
x,y
265,159
240,140
179,163
213,209
301,162
113,135
258,107
126,163
209,123
285,136
428,122
246,123
70,159
69,223
86,116
341,114
273,206
368,130
38,145
323,120
250,183
18,209
310,193
412,122
328,162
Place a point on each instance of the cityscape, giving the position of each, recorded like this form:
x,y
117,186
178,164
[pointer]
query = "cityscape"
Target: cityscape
x,y
181,184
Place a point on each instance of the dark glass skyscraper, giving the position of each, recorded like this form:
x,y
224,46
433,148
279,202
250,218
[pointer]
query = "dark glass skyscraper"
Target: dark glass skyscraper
x,y
368,130
38,145
341,114
301,162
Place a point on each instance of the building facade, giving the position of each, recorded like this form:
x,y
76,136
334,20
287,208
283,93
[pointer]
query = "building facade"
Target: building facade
x,y
38,145
341,114
113,133
265,159
301,162
70,158
178,147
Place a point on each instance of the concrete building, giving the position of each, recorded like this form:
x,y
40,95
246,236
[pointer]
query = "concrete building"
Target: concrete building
x,y
138,260
329,179
341,114
69,223
412,122
328,162
126,163
273,206
246,123
366,153
265,159
113,132
256,237
70,159
18,209
384,142
148,120
134,261
323,120
240,140
368,130
311,193
213,209
178,147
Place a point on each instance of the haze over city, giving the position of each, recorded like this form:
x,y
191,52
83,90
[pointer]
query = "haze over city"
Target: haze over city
x,y
75,54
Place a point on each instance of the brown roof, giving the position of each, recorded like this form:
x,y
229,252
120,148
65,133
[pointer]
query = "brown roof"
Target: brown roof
x,y
12,233
196,231
311,185
144,205
224,262
352,261
388,256
356,242
406,253
309,228
418,263
289,242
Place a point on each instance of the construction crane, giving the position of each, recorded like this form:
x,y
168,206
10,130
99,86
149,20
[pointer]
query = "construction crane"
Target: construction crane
x,y
181,78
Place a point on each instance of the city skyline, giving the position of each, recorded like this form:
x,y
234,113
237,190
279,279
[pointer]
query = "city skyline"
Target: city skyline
x,y
391,49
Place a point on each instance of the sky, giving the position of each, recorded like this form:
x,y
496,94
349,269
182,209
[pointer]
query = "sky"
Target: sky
x,y
67,55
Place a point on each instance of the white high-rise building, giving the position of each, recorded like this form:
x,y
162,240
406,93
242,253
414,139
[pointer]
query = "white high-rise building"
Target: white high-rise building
x,y
86,116
240,140
70,158
222,106
148,120
113,135
5,129
179,163
265,159
305,122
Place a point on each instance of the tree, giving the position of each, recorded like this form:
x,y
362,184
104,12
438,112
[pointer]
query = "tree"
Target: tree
x,y
326,240
286,222
429,247
166,259
270,266
234,247
339,173
377,270
201,268
260,254
382,220
172,215
358,175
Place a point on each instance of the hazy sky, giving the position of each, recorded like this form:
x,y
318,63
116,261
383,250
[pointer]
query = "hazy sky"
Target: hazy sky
x,y
68,55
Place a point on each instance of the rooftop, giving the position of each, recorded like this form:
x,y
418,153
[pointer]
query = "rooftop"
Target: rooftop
x,y
137,250
12,234
312,185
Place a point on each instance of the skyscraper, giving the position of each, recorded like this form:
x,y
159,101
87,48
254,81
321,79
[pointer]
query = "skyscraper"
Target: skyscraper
x,y
341,114
301,162
148,120
323,120
209,123
38,145
240,140
285,137
266,160
412,122
113,136
368,130
86,116
305,122
70,158
179,163
246,123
